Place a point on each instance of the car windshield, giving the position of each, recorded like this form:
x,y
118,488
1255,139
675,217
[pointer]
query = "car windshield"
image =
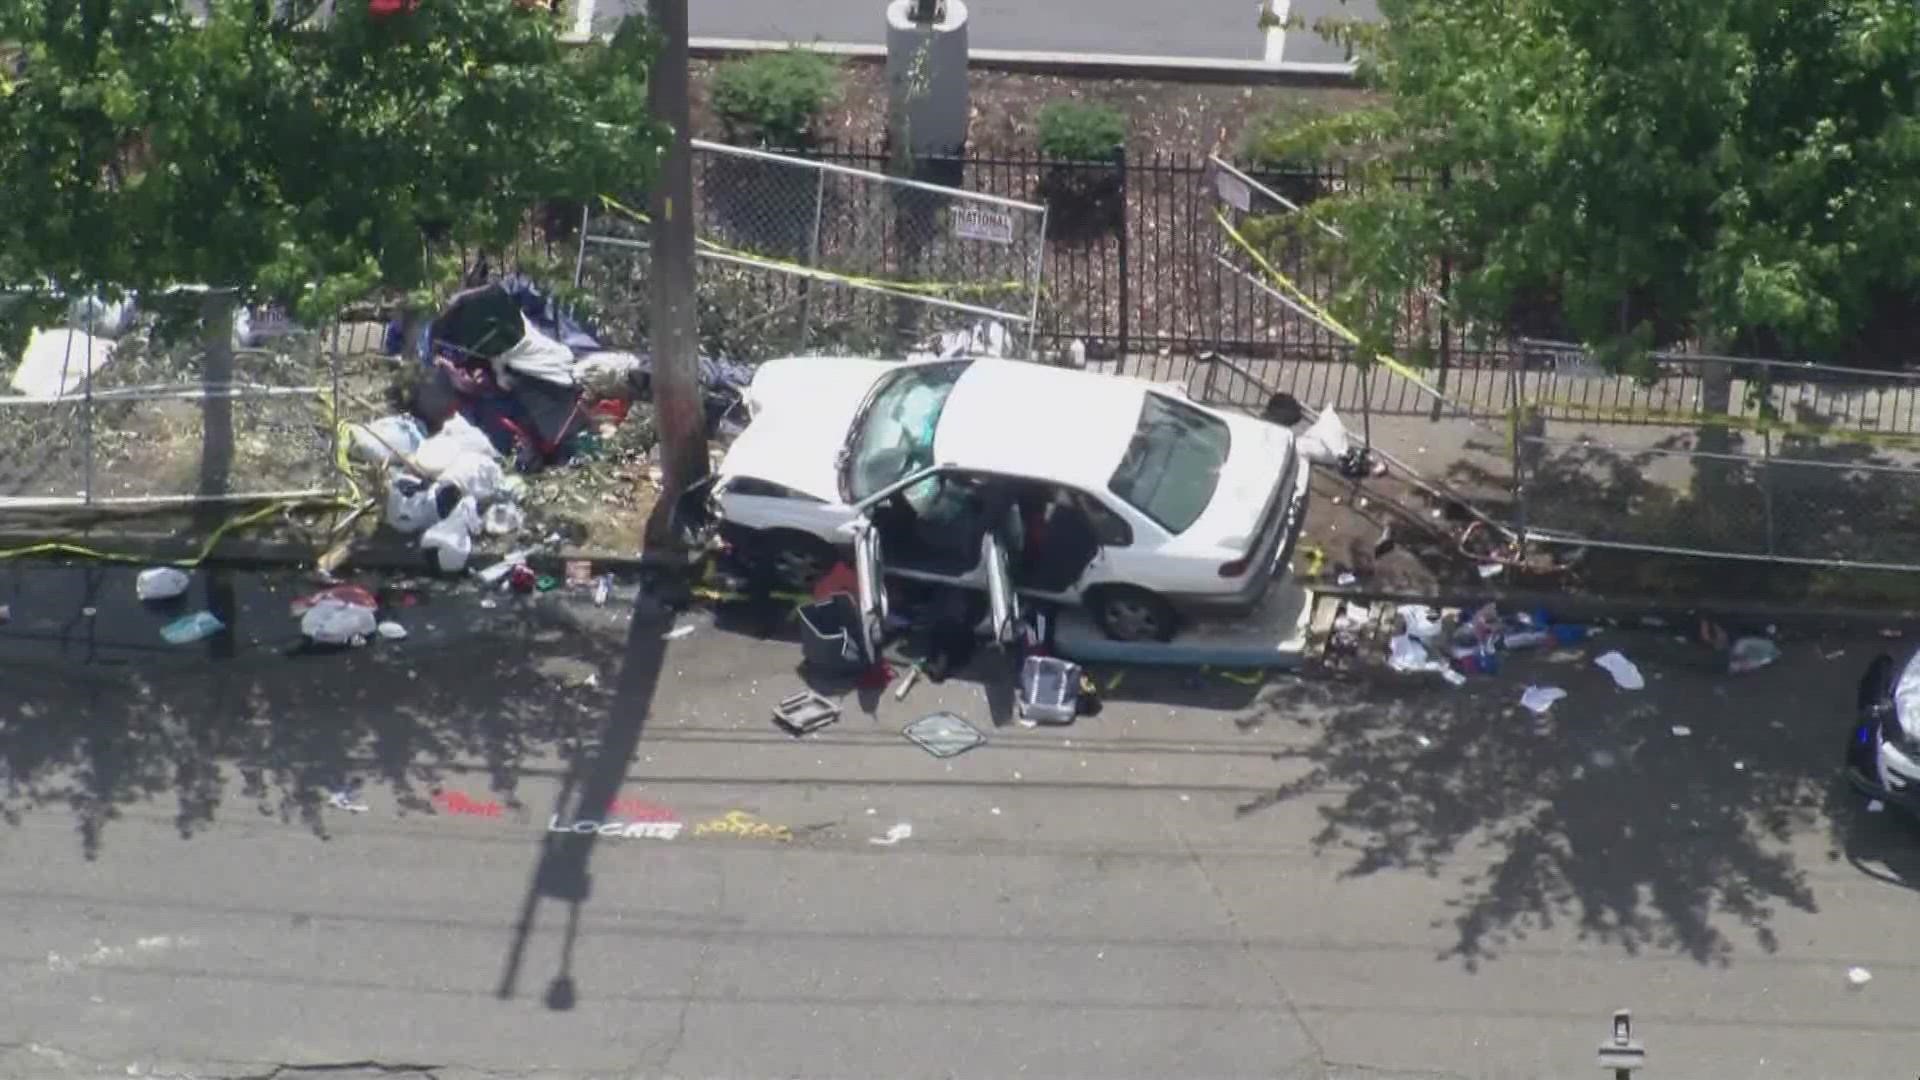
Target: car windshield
x,y
894,435
1173,464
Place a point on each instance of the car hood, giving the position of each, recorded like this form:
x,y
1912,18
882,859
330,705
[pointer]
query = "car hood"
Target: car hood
x,y
802,407
1256,462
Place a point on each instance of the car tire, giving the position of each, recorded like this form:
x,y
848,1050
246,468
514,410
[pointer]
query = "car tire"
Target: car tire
x,y
792,560
1125,613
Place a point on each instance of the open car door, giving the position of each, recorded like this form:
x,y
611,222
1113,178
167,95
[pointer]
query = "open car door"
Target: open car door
x,y
1003,602
872,591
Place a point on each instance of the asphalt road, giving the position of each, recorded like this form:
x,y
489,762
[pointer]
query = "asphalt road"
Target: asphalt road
x,y
1201,30
1381,878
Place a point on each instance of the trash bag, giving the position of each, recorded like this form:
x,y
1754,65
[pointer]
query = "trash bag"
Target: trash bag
x,y
377,441
410,504
451,538
1751,653
1325,440
607,374
504,519
336,622
161,583
455,438
478,475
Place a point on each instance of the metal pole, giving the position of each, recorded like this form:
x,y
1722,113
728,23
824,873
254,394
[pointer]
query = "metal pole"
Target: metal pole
x,y
813,261
1038,276
580,260
1126,271
86,420
1446,323
1517,413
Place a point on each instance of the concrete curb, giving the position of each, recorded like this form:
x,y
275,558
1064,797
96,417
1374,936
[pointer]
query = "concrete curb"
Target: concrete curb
x,y
1100,65
1678,614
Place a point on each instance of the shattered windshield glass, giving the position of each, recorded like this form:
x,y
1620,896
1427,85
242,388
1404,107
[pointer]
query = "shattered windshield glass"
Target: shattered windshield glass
x,y
895,434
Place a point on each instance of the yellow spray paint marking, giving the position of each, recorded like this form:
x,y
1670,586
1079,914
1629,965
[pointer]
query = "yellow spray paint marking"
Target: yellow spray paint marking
x,y
1244,678
740,823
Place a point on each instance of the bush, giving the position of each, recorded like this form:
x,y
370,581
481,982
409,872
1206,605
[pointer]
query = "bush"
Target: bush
x,y
1081,131
773,99
1272,149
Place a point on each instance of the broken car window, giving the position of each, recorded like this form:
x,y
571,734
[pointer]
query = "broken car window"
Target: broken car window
x,y
895,435
1173,464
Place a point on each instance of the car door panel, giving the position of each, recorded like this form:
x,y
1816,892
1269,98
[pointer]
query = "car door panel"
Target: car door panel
x,y
869,575
1003,601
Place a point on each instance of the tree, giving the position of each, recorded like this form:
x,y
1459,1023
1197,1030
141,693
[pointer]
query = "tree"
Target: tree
x,y
675,319
301,162
1729,172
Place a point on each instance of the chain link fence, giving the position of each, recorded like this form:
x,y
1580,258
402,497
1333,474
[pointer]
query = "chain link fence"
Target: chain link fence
x,y
799,254
150,421
1720,456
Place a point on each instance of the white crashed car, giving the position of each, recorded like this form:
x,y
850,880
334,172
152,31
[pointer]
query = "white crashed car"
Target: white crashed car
x,y
1013,478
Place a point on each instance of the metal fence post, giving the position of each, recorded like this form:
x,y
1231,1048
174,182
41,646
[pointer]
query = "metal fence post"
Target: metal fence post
x,y
1126,285
1446,323
813,261
86,419
1519,421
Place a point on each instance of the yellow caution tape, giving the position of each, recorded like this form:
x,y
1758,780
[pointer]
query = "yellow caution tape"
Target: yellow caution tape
x,y
241,521
1757,425
926,288
1248,678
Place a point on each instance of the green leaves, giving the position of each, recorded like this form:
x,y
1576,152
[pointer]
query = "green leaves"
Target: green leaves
x,y
1660,169
305,164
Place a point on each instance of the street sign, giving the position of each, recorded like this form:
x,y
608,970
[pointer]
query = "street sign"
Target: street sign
x,y
983,223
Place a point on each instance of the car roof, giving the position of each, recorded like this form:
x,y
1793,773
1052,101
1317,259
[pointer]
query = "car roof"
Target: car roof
x,y
1019,418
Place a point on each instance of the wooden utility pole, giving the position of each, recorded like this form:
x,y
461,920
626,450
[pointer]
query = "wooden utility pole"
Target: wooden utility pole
x,y
677,401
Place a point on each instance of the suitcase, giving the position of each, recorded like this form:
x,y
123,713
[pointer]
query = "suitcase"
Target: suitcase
x,y
1049,691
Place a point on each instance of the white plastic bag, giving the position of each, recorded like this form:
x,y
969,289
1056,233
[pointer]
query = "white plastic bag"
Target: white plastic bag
x,y
161,583
376,442
1423,624
336,622
607,373
477,475
1325,441
410,504
57,363
451,539
535,356
455,438
110,320
504,519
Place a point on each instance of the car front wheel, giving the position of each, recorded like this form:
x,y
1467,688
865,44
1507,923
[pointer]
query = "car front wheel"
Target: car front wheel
x,y
1130,614
793,560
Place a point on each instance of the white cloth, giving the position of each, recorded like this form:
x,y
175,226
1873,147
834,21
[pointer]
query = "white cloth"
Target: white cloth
x,y
1541,698
536,356
1625,675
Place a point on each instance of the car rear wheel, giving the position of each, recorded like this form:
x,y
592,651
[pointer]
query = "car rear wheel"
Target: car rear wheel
x,y
1130,614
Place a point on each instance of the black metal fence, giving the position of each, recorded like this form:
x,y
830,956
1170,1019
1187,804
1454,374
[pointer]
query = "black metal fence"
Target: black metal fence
x,y
1130,259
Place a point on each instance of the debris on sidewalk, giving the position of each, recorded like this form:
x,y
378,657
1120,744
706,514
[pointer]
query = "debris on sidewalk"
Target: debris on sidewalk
x,y
348,800
1423,623
805,711
161,583
894,835
1490,570
352,595
1681,730
392,631
1407,656
1048,691
191,628
678,632
906,681
1859,976
943,734
1625,675
1538,699
1875,806
1751,654
336,622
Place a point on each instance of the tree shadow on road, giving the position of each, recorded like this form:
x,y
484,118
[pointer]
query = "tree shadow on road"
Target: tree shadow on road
x,y
1600,815
98,714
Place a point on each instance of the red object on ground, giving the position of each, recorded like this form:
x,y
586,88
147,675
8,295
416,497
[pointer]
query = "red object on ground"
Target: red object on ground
x,y
521,578
610,409
877,677
840,579
346,594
